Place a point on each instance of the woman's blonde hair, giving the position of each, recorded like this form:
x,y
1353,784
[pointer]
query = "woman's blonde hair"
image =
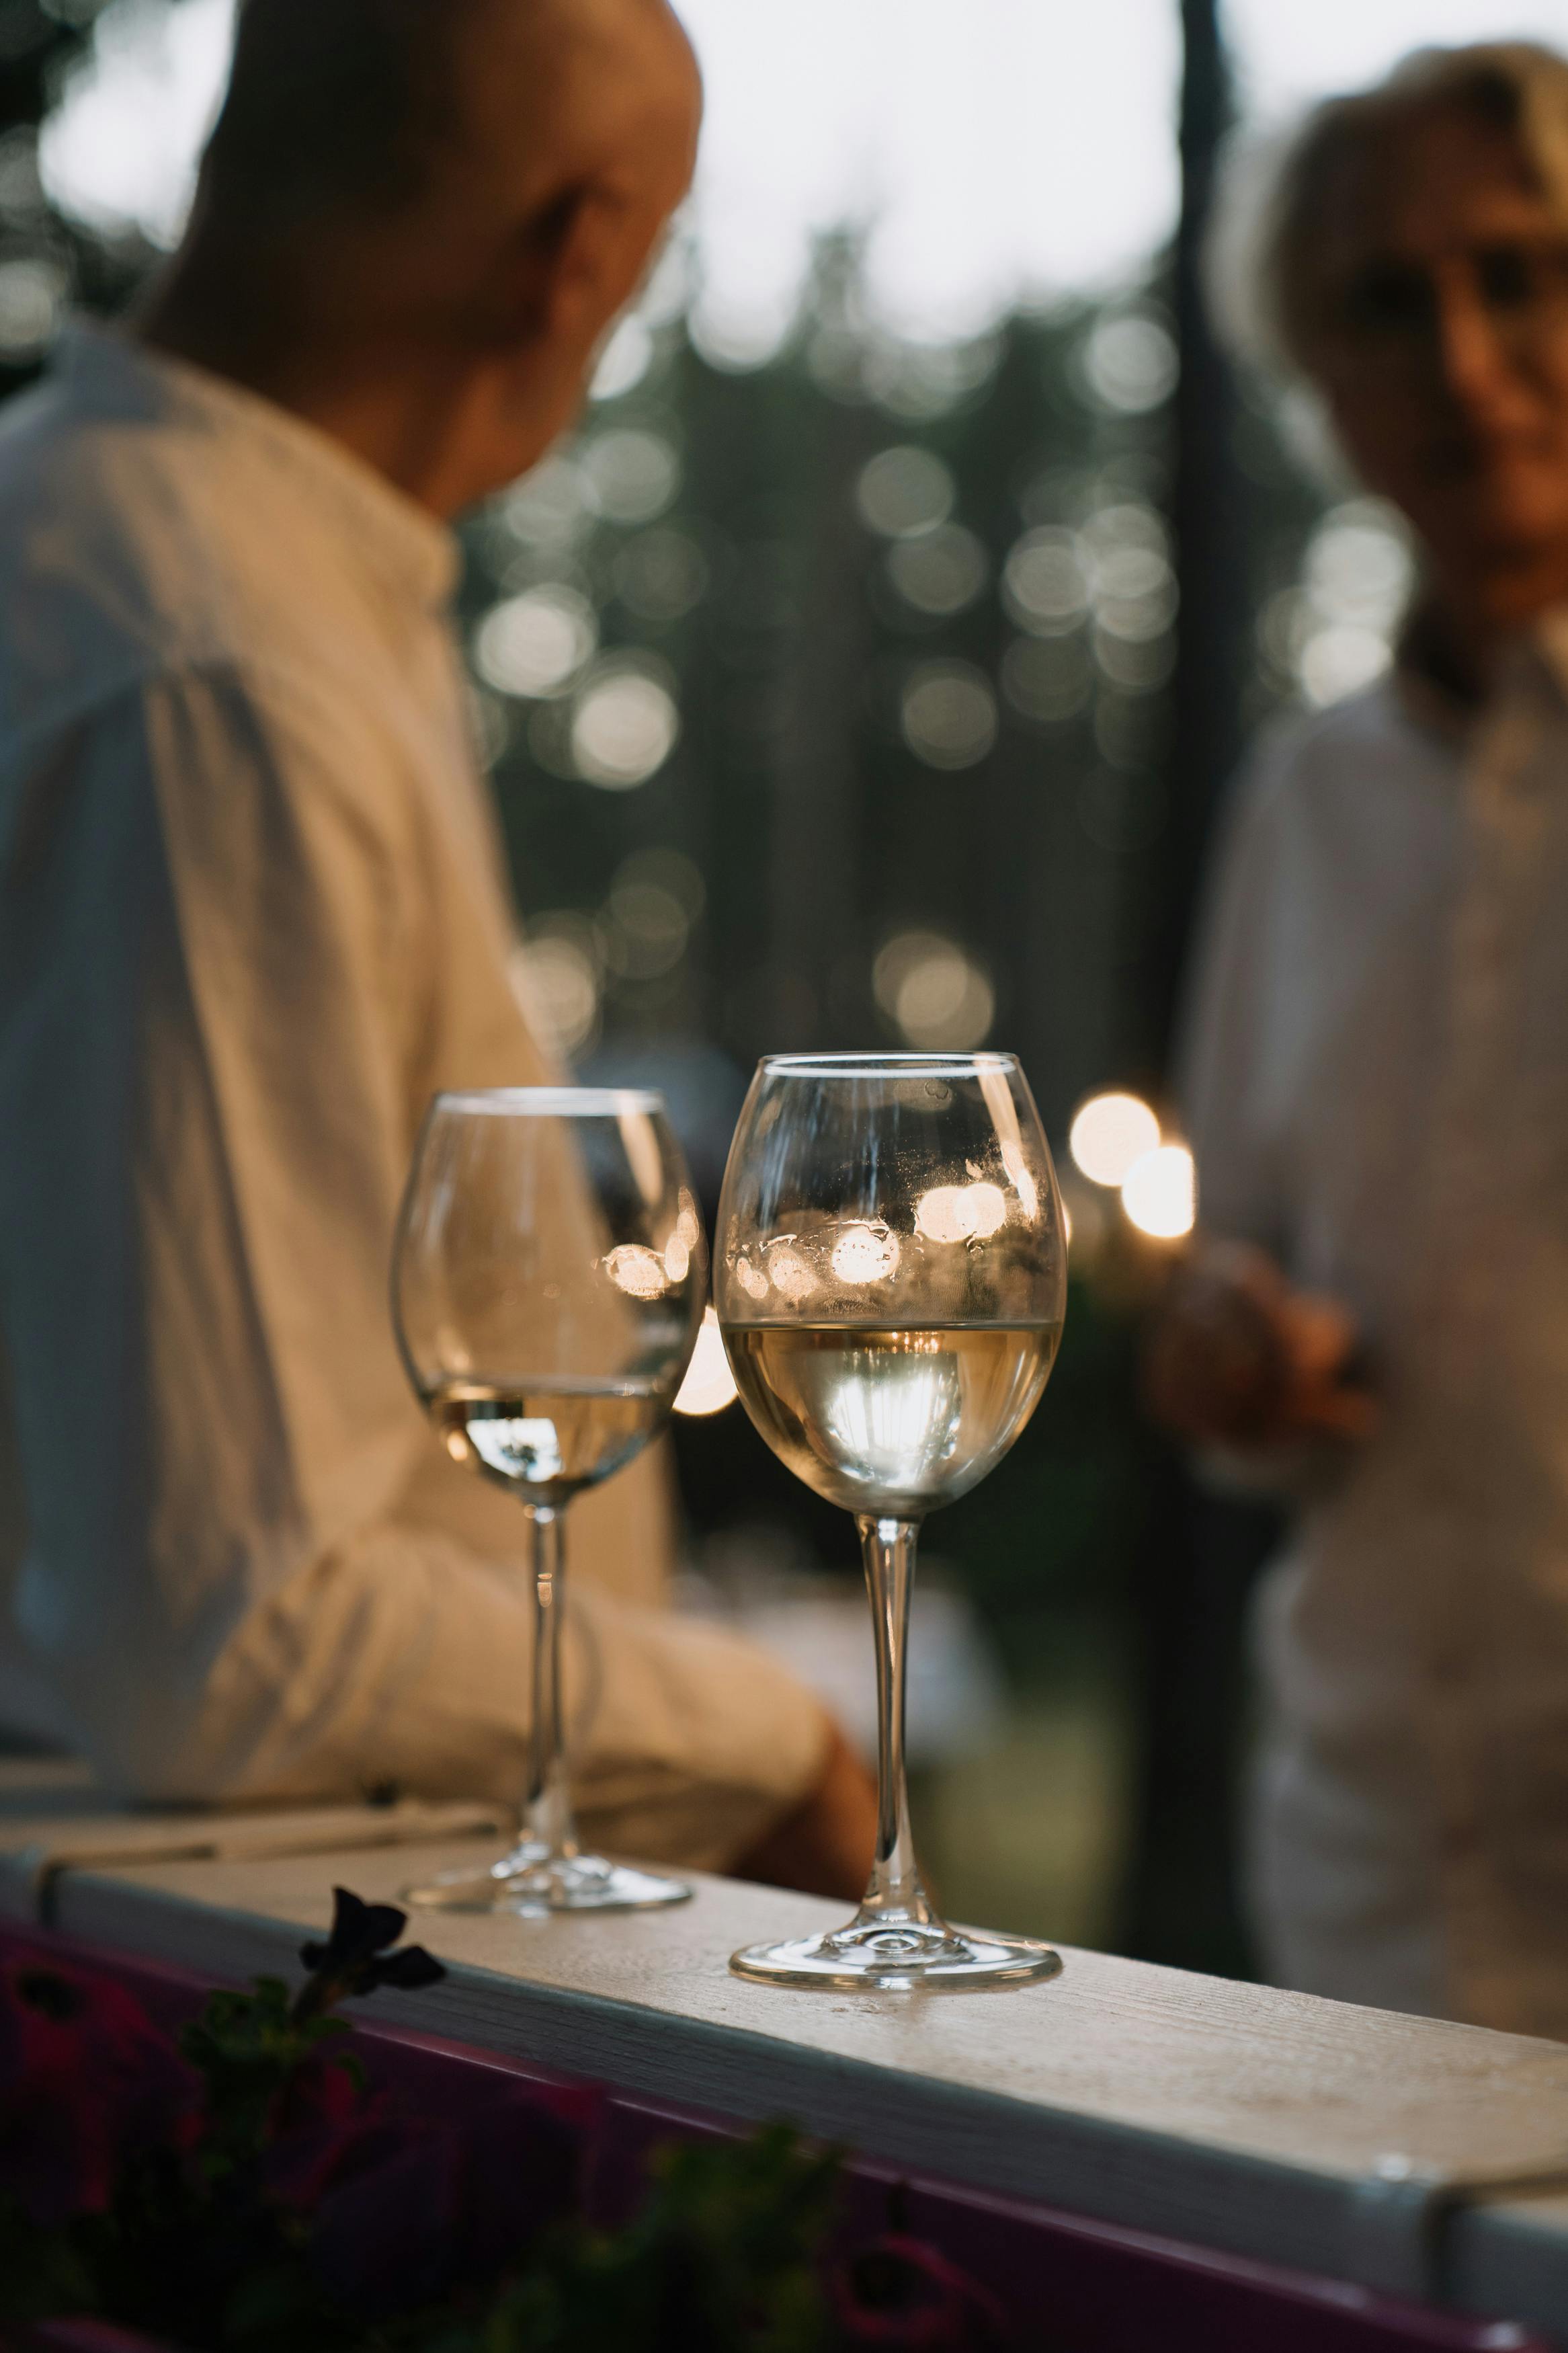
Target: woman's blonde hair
x,y
1265,225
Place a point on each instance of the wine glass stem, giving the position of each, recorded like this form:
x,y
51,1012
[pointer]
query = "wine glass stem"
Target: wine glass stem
x,y
547,1809
895,1892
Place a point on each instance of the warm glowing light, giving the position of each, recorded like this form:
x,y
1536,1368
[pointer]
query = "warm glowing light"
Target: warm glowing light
x,y
935,994
753,1284
555,974
988,1208
1108,1133
941,1214
1159,1193
789,1272
710,1385
638,1272
677,1258
865,1254
960,1213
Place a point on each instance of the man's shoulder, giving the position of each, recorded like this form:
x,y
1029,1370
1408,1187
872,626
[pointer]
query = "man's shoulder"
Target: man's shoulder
x,y
125,556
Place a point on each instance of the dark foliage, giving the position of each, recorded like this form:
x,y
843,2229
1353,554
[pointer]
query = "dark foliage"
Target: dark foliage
x,y
247,2193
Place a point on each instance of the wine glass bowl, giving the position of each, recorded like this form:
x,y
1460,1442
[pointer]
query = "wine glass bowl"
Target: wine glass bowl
x,y
548,1283
891,1283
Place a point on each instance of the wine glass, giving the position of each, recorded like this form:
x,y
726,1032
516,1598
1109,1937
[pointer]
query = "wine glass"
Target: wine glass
x,y
548,1281
892,1276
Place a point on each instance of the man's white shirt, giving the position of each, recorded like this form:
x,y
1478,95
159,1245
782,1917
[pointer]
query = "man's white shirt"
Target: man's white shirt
x,y
250,919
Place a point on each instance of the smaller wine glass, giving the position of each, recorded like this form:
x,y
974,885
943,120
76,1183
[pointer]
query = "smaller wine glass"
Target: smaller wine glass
x,y
548,1281
890,1282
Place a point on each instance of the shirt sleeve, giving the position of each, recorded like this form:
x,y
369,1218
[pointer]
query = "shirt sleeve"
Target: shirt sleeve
x,y
1228,1091
1223,1058
222,973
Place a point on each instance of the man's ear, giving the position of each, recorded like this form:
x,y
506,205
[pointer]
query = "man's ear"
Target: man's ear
x,y
569,268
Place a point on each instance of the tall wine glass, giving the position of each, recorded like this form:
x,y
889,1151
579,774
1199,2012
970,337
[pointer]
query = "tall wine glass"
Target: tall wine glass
x,y
890,1283
548,1283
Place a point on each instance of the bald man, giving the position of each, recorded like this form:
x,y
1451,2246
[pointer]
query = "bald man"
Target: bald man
x,y
250,917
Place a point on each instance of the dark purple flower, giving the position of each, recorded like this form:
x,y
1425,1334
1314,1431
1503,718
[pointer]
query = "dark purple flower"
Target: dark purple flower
x,y
86,2081
356,1958
899,2295
435,2206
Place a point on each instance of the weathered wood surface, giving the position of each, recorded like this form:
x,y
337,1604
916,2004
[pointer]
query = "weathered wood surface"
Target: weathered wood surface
x,y
53,1819
1229,2115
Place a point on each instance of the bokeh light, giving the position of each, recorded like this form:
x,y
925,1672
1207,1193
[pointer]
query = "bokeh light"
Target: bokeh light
x,y
1159,1193
789,1271
655,897
904,490
948,714
1045,581
1126,551
536,643
624,728
556,971
1333,633
551,510
940,571
633,476
637,1271
1338,661
710,1385
1131,362
865,1253
1109,1132
961,1213
936,994
737,328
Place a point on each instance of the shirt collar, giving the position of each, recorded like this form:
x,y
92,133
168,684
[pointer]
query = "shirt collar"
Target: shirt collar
x,y
394,538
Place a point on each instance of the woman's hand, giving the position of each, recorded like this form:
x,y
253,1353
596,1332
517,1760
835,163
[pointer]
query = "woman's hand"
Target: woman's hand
x,y
1235,1357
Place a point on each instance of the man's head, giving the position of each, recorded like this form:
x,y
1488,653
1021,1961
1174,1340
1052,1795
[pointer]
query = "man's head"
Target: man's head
x,y
1415,259
428,211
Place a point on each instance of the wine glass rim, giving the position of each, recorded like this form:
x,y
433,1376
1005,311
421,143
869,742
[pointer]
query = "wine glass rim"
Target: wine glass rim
x,y
552,1103
895,1065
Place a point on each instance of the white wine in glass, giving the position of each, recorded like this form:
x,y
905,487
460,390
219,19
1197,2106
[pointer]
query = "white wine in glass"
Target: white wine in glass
x,y
891,1277
548,1284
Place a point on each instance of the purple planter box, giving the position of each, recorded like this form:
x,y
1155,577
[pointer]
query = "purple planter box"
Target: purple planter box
x,y
1081,2286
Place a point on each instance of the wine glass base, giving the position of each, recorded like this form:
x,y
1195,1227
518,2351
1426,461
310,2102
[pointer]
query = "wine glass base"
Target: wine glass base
x,y
898,1960
532,1890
